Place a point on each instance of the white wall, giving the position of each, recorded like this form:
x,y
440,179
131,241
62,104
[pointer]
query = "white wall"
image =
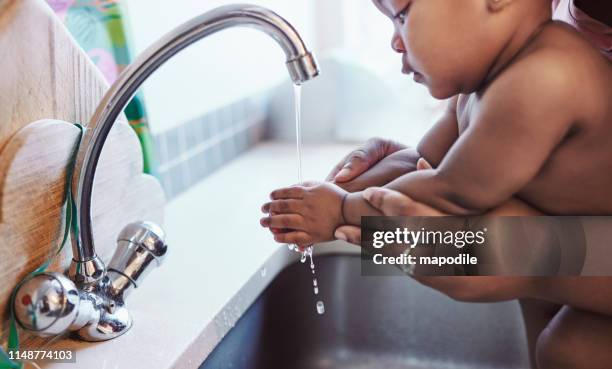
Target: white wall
x,y
361,92
238,63
223,68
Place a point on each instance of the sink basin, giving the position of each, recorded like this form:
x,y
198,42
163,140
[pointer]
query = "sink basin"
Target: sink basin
x,y
388,322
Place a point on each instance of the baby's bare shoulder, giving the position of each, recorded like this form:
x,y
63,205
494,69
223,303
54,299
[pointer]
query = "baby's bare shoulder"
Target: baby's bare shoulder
x,y
558,70
561,49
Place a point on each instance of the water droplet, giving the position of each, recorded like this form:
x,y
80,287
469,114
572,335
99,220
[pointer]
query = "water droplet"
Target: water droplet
x,y
291,247
313,272
303,258
320,307
314,282
316,290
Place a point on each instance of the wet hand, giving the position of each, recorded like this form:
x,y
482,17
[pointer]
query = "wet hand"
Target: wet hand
x,y
308,214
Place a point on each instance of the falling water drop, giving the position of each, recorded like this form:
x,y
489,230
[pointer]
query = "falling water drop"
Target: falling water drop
x,y
320,307
307,252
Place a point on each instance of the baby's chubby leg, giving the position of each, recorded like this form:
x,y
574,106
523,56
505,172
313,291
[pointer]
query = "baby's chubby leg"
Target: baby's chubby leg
x,y
536,316
575,339
577,335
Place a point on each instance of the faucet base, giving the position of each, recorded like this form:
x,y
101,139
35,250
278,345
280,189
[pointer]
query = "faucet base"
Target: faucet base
x,y
88,272
110,323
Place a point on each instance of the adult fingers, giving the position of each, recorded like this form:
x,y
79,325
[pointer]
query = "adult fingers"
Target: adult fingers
x,y
389,202
423,164
349,234
330,177
360,160
394,203
356,163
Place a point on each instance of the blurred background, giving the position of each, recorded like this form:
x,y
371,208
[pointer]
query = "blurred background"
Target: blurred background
x,y
361,92
229,92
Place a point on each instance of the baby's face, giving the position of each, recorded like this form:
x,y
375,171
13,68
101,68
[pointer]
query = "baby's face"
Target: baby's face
x,y
444,43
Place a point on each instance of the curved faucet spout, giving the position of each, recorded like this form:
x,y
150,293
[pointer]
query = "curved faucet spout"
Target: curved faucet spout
x,y
86,267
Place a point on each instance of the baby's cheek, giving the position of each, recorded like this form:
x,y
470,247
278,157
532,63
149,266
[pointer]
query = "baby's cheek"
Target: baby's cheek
x,y
441,91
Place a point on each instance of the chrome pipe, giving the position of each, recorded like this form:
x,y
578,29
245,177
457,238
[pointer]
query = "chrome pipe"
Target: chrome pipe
x,y
92,302
301,65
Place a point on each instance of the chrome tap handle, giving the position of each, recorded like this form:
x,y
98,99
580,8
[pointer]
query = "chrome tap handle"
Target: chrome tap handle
x,y
140,246
50,304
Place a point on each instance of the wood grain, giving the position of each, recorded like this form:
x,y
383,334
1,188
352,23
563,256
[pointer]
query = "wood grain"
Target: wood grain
x,y
47,79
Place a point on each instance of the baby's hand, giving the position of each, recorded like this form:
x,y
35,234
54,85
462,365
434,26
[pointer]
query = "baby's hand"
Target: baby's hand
x,y
310,213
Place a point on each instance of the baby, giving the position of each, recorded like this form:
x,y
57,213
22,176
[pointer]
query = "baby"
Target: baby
x,y
530,117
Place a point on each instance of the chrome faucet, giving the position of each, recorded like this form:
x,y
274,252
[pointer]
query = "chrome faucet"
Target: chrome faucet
x,y
91,301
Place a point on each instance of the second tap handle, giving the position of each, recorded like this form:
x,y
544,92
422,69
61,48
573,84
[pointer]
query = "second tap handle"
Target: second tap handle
x,y
140,246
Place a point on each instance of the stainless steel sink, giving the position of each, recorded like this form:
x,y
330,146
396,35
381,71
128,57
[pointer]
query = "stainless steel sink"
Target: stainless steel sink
x,y
386,322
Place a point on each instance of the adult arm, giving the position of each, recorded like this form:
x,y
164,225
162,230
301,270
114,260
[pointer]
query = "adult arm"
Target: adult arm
x,y
380,161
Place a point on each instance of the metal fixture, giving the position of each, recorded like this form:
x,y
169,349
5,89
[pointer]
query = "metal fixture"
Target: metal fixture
x,y
51,303
91,301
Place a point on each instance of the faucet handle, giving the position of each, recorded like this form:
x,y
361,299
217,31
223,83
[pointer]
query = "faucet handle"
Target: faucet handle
x,y
139,246
46,303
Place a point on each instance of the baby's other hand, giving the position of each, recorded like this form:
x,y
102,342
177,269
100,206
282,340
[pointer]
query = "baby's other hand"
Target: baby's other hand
x,y
311,213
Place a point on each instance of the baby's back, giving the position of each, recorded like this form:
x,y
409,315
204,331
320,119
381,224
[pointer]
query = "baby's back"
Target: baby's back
x,y
576,179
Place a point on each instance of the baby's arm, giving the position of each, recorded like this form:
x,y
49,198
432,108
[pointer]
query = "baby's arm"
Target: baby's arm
x,y
310,213
523,116
380,161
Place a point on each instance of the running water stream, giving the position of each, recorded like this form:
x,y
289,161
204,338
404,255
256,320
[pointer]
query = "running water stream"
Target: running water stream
x,y
306,252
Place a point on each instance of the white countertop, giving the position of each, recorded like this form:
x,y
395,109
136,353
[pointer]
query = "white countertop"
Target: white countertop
x,y
215,246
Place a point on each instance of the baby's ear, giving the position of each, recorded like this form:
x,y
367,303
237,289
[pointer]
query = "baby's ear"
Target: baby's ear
x,y
498,5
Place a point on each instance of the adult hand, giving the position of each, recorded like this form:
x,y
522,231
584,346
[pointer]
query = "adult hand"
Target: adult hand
x,y
469,289
390,203
375,163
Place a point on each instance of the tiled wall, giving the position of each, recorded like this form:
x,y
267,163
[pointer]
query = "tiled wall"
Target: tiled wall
x,y
189,152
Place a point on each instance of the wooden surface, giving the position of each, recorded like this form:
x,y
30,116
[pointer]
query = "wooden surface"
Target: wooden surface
x,y
46,77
